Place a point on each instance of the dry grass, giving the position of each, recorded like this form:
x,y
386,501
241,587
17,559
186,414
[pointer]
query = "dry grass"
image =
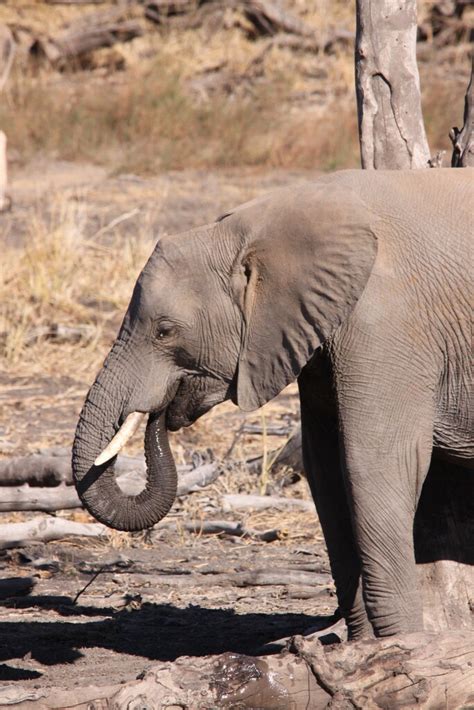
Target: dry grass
x,y
285,109
61,275
142,124
147,122
152,117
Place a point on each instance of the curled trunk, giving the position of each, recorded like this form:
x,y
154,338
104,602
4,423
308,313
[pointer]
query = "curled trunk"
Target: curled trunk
x,y
96,485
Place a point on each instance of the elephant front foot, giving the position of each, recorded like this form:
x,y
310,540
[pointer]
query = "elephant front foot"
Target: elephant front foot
x,y
358,625
394,614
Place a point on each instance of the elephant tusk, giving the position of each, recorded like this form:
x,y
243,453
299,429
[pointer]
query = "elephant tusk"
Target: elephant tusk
x,y
124,434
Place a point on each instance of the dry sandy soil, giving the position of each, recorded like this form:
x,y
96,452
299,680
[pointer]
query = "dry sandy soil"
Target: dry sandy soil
x,y
164,594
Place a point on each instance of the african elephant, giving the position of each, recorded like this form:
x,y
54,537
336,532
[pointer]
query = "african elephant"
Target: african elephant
x,y
356,284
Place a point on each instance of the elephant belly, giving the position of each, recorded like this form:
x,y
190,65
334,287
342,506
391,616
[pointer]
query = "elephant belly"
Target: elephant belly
x,y
455,444
453,436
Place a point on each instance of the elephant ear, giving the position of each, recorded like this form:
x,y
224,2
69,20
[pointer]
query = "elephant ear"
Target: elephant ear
x,y
307,257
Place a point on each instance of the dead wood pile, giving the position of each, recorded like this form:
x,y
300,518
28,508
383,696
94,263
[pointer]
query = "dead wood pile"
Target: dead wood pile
x,y
446,23
417,670
44,481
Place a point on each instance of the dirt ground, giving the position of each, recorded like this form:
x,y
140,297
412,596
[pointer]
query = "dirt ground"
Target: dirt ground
x,y
100,612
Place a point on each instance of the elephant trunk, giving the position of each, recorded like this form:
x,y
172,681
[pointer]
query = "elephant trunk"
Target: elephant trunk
x,y
96,485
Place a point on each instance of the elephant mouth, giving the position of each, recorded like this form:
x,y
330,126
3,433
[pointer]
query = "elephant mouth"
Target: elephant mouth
x,y
179,416
192,400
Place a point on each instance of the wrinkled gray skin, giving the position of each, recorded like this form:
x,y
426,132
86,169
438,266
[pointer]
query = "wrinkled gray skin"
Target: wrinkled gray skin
x,y
357,284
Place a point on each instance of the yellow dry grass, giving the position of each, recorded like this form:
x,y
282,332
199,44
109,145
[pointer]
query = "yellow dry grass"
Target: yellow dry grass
x,y
279,108
148,118
59,276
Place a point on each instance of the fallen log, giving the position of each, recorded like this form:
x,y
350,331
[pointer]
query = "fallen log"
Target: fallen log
x,y
271,17
53,470
36,470
416,670
25,497
240,501
263,17
290,456
88,33
43,529
51,467
64,497
224,527
197,479
268,578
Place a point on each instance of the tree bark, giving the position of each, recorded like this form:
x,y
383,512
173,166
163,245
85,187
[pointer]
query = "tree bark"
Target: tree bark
x,y
417,670
4,201
463,140
391,129
7,51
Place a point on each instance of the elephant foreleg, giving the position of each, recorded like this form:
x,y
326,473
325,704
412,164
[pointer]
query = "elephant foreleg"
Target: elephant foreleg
x,y
386,458
323,468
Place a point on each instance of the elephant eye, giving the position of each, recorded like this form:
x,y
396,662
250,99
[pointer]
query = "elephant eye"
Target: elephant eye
x,y
164,330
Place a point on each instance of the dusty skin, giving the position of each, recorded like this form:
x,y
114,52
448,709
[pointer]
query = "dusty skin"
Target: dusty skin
x,y
356,283
176,594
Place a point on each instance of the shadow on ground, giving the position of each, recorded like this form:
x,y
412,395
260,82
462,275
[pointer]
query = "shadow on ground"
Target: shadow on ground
x,y
154,631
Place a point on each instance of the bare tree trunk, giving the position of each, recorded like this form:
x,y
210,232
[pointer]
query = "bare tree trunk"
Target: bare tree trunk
x,y
463,140
391,129
7,51
4,201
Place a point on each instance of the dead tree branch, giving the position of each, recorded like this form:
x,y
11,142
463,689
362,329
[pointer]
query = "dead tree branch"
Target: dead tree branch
x,y
7,53
241,501
271,17
290,456
222,527
43,529
88,33
463,139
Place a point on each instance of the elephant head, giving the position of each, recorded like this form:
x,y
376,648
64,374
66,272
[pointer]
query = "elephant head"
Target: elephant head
x,y
231,310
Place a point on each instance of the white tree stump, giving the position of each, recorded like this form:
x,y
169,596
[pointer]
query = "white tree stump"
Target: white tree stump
x,y
391,129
